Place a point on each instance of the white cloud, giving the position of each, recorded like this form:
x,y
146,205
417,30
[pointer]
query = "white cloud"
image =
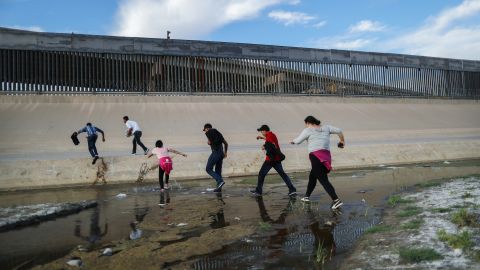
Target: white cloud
x,y
320,24
441,37
367,26
342,43
294,2
185,18
448,34
34,28
289,17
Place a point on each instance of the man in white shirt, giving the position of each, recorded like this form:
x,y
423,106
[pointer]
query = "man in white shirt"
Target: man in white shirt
x,y
134,129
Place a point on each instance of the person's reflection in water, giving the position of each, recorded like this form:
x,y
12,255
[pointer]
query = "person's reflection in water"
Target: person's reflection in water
x,y
164,198
218,219
324,246
276,241
96,233
140,213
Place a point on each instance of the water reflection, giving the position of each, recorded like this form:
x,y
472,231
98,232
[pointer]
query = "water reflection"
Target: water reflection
x,y
218,219
95,234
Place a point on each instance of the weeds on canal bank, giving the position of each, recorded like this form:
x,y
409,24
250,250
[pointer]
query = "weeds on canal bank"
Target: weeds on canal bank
x,y
396,199
463,218
322,254
415,255
461,240
412,224
409,211
264,226
378,229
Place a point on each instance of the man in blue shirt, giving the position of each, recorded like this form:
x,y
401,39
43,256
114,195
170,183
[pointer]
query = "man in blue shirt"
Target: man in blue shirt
x,y
91,131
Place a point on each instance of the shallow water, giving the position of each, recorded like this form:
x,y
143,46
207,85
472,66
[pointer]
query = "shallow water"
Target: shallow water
x,y
288,232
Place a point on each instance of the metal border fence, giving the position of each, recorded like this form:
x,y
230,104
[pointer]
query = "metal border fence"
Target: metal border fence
x,y
30,64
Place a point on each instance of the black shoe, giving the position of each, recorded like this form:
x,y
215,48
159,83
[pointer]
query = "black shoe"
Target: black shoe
x,y
146,151
255,193
94,160
219,187
292,193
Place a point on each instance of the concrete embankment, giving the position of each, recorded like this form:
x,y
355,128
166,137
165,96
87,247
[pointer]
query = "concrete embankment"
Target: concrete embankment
x,y
20,174
36,151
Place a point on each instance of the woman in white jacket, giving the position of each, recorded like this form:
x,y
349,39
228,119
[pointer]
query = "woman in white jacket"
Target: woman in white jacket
x,y
318,137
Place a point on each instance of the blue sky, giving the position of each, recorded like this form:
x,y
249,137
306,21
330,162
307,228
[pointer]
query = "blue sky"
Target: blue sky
x,y
443,28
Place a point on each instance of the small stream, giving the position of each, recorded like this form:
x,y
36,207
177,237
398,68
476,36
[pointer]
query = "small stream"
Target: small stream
x,y
290,234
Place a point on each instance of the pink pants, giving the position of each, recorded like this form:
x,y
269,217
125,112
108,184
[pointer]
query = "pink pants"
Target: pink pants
x,y
166,164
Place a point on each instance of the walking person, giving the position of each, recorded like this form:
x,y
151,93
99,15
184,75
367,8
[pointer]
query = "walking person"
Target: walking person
x,y
273,159
219,151
92,136
165,163
318,137
134,129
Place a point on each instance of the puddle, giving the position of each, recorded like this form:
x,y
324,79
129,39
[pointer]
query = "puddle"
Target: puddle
x,y
221,231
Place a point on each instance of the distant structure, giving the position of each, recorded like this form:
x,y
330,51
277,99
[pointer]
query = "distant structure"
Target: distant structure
x,y
51,63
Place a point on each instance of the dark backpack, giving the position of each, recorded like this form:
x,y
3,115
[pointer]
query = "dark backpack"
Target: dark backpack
x,y
272,152
75,138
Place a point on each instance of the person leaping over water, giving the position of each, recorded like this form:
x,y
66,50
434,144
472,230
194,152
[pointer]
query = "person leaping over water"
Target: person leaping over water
x,y
318,137
273,159
216,142
92,136
165,163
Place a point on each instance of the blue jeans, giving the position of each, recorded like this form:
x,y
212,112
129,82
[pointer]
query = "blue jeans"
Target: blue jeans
x,y
266,167
91,145
215,160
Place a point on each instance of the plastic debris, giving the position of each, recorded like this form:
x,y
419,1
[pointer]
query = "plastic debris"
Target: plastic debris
x,y
107,252
75,261
237,218
135,234
181,224
121,195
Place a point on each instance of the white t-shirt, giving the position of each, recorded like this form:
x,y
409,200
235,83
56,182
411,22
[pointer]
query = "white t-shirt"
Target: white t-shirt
x,y
133,125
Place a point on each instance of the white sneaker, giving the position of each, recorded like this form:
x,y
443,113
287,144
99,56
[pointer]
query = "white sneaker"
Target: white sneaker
x,y
336,204
305,199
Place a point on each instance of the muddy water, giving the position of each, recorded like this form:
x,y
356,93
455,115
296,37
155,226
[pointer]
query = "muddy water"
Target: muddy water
x,y
269,232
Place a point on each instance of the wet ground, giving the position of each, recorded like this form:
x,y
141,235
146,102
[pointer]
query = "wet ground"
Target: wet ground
x,y
194,228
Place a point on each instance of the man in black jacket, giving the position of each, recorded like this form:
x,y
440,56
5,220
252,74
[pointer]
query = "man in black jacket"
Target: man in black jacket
x,y
216,142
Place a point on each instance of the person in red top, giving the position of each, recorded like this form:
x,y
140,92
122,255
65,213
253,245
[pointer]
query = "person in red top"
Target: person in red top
x,y
273,159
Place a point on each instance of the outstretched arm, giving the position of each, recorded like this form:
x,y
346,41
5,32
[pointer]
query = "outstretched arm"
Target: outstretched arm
x,y
302,137
81,130
103,133
176,152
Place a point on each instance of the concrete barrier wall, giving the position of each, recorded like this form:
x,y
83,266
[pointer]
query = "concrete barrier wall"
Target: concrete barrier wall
x,y
70,172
